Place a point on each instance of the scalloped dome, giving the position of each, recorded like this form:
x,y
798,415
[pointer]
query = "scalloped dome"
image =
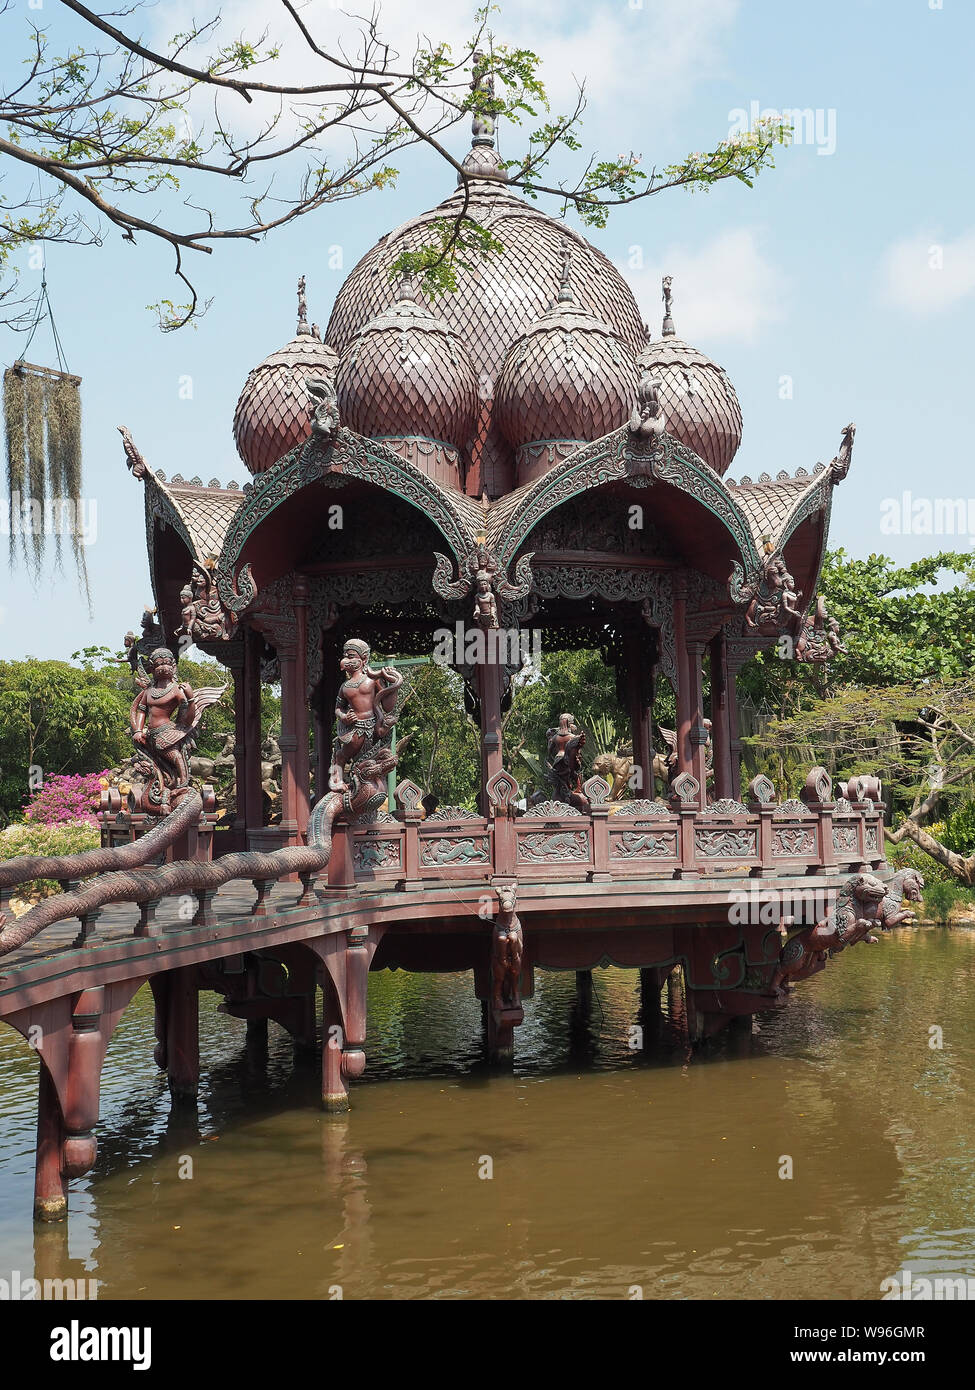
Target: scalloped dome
x,y
698,400
273,414
406,378
495,299
566,380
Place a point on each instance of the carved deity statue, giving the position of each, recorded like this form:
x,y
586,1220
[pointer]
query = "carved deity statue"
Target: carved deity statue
x,y
507,951
365,710
564,747
818,635
485,603
647,419
204,617
164,718
771,595
137,649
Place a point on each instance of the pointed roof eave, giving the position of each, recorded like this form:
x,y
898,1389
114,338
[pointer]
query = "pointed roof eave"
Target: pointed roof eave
x,y
458,518
199,513
616,458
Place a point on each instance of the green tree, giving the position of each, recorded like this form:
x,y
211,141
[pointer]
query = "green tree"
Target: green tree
x,y
59,718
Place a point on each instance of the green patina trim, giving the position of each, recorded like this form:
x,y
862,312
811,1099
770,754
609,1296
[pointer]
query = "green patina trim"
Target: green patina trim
x,y
604,461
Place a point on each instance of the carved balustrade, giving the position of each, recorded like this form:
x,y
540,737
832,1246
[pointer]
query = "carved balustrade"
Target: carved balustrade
x,y
612,841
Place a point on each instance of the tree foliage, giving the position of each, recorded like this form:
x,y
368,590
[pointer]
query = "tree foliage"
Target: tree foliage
x,y
901,701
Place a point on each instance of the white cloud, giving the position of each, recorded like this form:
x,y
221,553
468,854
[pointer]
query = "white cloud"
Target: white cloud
x,y
640,59
925,274
726,289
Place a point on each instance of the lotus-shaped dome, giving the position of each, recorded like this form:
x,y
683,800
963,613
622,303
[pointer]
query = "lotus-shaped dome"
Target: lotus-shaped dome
x,y
272,414
696,395
496,298
407,378
566,380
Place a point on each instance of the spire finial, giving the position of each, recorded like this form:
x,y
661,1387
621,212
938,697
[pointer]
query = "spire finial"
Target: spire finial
x,y
302,307
668,330
565,295
482,81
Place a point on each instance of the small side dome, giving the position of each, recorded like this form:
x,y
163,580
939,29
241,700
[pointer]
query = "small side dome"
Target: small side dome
x,y
696,395
567,380
272,414
407,379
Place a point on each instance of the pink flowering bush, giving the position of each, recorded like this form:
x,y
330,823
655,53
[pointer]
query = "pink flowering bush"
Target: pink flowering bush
x,y
65,798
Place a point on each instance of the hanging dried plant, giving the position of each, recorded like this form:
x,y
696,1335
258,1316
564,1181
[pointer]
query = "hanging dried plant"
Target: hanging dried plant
x,y
42,421
14,406
37,471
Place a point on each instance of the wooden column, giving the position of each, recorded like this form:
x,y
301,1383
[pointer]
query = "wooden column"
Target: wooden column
x,y
249,771
724,720
489,696
639,703
50,1189
302,753
697,733
183,1035
685,758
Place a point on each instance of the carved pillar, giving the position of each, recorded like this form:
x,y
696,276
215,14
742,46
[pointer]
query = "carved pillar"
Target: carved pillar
x,y
234,660
302,754
489,689
724,721
639,704
697,734
249,742
288,743
685,760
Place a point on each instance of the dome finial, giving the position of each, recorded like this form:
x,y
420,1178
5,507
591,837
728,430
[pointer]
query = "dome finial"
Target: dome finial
x,y
482,161
565,295
302,307
668,330
482,80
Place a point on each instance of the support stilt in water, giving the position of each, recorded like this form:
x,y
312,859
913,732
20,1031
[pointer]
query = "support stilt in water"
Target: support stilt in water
x,y
651,1014
50,1189
584,991
183,1036
499,1033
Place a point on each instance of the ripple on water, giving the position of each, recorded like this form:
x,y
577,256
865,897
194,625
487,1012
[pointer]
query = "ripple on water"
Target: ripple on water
x,y
610,1168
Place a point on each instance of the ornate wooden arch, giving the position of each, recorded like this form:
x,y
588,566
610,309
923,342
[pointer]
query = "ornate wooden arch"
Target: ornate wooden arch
x,y
354,457
618,458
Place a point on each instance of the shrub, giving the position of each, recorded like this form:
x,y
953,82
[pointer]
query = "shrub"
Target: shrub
x,y
958,831
941,897
66,798
30,837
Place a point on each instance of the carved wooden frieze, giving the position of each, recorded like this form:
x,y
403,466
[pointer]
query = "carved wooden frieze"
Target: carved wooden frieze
x,y
845,839
644,844
725,844
376,854
561,846
450,851
792,843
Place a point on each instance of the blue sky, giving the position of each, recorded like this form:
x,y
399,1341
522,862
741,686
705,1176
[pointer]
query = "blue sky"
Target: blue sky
x,y
850,271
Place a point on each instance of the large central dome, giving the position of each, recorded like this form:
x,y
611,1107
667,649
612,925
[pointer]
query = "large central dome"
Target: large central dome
x,y
496,300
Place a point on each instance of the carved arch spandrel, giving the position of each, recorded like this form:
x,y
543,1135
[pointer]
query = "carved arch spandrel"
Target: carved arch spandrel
x,y
614,458
349,457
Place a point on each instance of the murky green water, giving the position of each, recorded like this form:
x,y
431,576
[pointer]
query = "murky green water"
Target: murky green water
x,y
610,1168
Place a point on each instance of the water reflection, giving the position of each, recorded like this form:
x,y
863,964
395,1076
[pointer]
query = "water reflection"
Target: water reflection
x,y
612,1167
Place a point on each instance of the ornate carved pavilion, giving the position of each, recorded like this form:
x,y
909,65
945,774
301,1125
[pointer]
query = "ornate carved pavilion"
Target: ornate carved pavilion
x,y
528,423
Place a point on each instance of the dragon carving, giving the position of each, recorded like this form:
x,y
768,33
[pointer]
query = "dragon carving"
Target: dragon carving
x,y
863,904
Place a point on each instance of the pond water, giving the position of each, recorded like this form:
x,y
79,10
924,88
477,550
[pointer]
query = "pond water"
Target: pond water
x,y
609,1168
